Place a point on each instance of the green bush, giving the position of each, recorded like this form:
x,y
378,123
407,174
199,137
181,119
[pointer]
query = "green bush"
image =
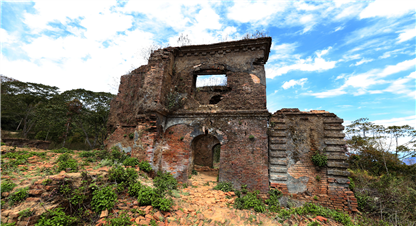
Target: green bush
x,y
106,162
56,217
103,198
164,182
7,186
145,166
131,135
162,204
319,159
2,143
224,186
63,150
86,154
251,137
119,174
70,163
122,220
64,157
134,189
19,195
102,154
146,195
130,161
273,200
250,201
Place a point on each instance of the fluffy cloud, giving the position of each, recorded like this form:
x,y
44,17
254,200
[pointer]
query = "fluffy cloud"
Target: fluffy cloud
x,y
407,35
387,8
293,83
309,64
361,82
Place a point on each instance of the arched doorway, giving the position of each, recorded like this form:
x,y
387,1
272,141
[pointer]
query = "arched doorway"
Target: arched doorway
x,y
203,152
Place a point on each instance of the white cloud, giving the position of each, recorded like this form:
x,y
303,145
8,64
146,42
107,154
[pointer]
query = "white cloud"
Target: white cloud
x,y
400,86
363,61
401,121
361,82
402,66
388,8
407,34
255,12
329,93
294,62
293,83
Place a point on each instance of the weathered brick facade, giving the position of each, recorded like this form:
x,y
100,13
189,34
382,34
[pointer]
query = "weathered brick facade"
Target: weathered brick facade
x,y
160,115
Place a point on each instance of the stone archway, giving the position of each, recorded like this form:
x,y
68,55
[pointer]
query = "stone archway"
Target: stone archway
x,y
202,147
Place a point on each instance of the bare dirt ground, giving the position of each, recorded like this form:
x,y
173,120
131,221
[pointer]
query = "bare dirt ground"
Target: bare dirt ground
x,y
195,204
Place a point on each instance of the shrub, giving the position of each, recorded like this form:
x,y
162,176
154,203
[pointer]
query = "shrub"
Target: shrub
x,y
20,195
64,157
7,186
273,200
131,135
122,220
251,137
145,166
134,189
86,154
56,217
2,143
102,154
244,188
162,204
63,150
146,194
319,159
130,161
194,172
224,186
78,196
106,162
250,201
71,163
103,198
164,182
119,174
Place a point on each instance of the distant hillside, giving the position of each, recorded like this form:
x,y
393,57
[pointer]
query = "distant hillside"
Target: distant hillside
x,y
6,79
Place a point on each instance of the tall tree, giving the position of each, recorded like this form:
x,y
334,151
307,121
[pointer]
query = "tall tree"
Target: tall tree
x,y
21,102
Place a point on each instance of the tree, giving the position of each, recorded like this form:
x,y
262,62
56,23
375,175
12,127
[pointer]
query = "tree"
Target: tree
x,y
88,111
21,102
378,146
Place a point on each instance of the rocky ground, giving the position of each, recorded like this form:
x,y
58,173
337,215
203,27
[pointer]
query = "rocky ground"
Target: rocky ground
x,y
196,203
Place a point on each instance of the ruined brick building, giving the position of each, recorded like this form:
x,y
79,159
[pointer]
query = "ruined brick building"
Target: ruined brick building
x,y
160,115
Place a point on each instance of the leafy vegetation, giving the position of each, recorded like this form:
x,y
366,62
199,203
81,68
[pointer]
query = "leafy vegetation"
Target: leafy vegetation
x,y
319,158
19,195
56,217
103,198
7,186
130,161
384,186
224,186
145,166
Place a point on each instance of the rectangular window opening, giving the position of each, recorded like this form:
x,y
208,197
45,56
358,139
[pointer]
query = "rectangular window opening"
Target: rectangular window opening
x,y
211,80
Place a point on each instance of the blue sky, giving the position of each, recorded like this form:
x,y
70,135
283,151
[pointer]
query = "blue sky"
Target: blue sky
x,y
356,59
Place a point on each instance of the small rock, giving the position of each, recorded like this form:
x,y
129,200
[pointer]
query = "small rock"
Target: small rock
x,y
104,213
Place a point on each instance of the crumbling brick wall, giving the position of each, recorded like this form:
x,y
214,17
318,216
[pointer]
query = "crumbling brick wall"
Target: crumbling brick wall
x,y
160,104
294,137
160,115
